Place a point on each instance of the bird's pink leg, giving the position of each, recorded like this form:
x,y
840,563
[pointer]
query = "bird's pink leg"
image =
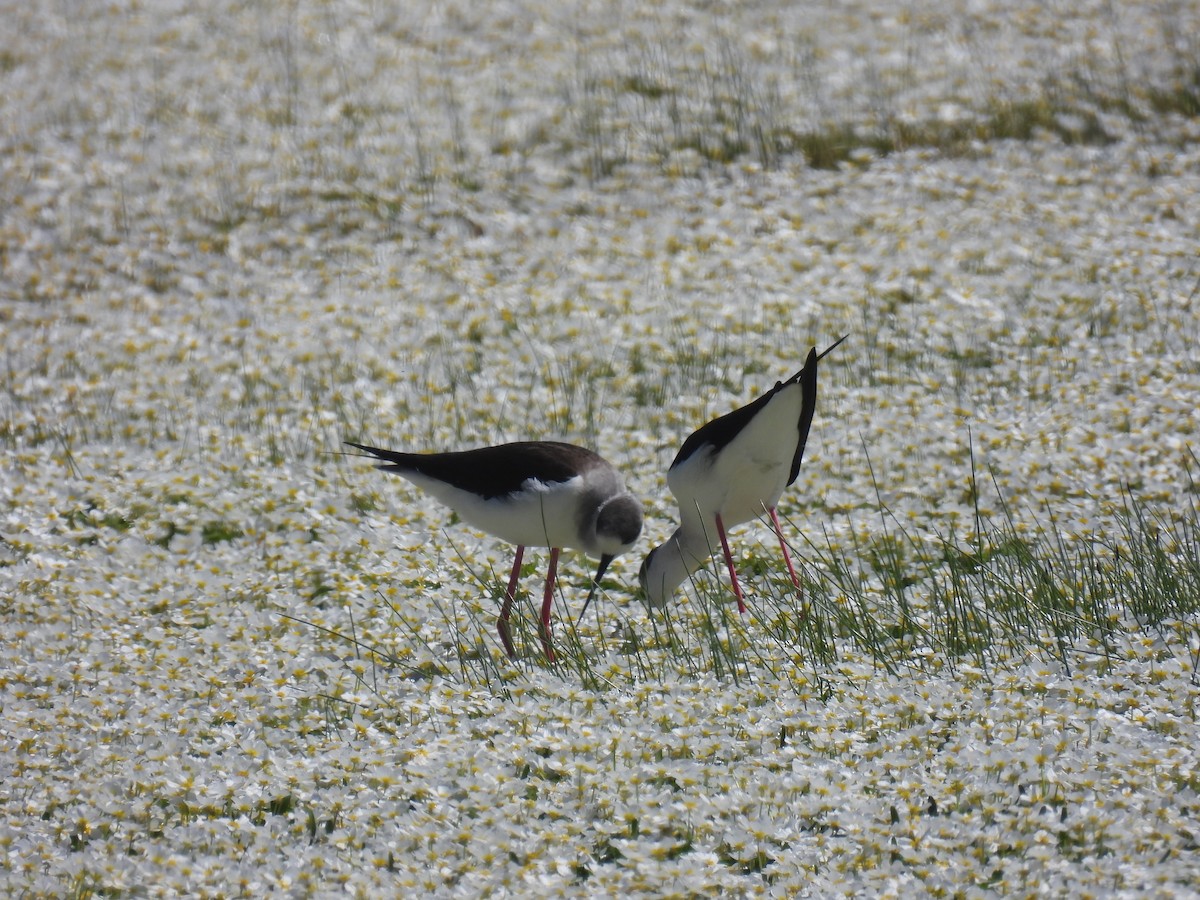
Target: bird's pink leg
x,y
786,556
502,622
547,600
737,588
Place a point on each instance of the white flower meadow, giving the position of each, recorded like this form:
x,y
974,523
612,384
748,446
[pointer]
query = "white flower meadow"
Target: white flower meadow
x,y
237,662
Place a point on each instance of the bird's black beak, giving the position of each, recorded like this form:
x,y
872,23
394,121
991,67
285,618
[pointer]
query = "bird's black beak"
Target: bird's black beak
x,y
604,563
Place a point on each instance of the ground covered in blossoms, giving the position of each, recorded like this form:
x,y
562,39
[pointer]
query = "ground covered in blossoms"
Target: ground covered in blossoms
x,y
236,661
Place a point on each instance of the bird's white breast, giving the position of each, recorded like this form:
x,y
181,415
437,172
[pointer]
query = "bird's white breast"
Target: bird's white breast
x,y
539,515
748,474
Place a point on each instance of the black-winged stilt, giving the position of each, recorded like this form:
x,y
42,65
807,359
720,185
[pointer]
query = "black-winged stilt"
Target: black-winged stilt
x,y
730,471
532,494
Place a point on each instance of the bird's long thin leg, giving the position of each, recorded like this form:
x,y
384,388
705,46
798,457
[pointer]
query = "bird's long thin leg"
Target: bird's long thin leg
x,y
786,556
737,588
547,600
502,622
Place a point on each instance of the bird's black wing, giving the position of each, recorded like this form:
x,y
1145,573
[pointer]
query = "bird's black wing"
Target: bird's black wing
x,y
720,431
808,405
491,471
808,384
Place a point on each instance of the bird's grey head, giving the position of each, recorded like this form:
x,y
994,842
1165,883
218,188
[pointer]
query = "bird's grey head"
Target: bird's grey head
x,y
618,524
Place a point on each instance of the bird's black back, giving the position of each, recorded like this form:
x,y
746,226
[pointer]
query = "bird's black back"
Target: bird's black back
x,y
492,471
722,430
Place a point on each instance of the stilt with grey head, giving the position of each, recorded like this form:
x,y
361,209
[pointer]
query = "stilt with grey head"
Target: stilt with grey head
x,y
529,493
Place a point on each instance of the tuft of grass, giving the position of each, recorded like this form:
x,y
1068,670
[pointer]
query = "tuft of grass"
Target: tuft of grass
x,y
217,531
721,108
1181,98
1007,596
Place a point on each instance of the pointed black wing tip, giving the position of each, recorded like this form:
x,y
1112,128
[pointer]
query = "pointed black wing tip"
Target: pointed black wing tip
x,y
808,377
386,461
831,347
815,357
374,451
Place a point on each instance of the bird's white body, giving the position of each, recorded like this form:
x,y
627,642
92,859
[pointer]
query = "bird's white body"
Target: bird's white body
x,y
745,478
540,514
